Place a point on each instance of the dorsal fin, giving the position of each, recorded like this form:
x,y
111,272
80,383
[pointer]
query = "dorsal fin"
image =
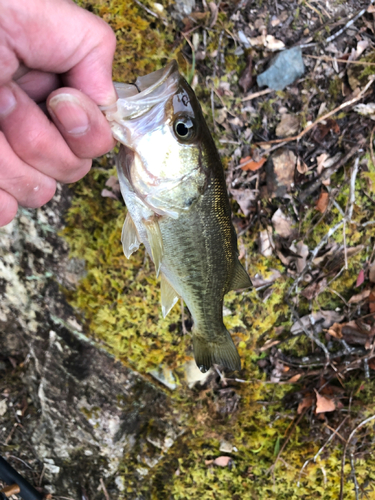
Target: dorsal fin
x,y
129,236
169,296
155,240
240,278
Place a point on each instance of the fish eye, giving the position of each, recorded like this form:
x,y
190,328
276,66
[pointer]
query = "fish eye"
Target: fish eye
x,y
184,128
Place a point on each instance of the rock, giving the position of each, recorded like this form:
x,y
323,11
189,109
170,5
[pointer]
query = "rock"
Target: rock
x,y
89,412
284,69
288,126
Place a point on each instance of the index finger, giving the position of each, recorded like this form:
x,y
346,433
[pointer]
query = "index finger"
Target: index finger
x,y
59,37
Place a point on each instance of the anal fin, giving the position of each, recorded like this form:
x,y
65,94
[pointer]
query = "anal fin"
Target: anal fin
x,y
168,296
129,237
240,278
155,240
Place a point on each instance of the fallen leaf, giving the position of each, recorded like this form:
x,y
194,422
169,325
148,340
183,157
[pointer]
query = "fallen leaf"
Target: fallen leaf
x,y
322,203
3,407
323,404
246,80
113,183
222,461
336,331
282,224
109,194
323,318
313,290
303,251
371,301
258,280
360,279
249,164
288,126
266,245
320,162
372,364
214,13
323,128
245,199
372,272
302,168
294,379
280,170
306,402
359,296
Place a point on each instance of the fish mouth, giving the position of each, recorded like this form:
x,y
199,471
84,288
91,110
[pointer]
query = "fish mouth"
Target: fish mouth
x,y
136,99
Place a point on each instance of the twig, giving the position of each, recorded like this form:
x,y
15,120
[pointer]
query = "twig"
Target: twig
x,y
348,24
152,13
327,172
105,492
328,58
254,95
334,433
364,422
322,118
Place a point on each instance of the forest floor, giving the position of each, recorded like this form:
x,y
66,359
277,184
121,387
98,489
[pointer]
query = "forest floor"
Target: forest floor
x,y
299,419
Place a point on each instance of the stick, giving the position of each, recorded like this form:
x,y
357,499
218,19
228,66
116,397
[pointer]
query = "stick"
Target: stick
x,y
322,118
348,24
257,94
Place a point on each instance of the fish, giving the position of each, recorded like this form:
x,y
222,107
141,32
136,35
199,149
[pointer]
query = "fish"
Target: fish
x,y
173,184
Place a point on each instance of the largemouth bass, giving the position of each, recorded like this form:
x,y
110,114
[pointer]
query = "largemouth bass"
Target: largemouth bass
x,y
172,181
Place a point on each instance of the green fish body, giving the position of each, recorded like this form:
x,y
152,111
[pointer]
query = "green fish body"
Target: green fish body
x,y
173,185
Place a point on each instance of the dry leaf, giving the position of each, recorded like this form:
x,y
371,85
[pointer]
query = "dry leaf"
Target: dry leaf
x,y
222,461
3,407
336,331
313,290
306,402
244,197
288,125
324,318
320,161
323,404
109,194
282,224
359,296
360,279
302,168
322,203
280,172
265,242
246,80
249,164
303,251
371,301
372,273
294,379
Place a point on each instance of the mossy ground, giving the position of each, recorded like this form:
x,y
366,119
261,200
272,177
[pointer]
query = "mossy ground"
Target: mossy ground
x,y
120,300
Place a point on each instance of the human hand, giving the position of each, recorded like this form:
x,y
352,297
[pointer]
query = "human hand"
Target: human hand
x,y
50,50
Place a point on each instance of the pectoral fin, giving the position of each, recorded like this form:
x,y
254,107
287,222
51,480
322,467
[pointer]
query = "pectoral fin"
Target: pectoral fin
x,y
155,240
168,296
220,352
240,278
129,237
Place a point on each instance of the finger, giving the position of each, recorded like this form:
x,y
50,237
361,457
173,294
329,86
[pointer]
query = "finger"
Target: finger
x,y
83,50
8,208
27,185
35,139
37,84
81,123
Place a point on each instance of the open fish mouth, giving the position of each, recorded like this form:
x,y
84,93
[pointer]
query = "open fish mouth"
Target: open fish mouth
x,y
136,99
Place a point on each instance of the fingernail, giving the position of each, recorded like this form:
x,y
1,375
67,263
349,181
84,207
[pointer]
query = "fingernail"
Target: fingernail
x,y
69,112
7,101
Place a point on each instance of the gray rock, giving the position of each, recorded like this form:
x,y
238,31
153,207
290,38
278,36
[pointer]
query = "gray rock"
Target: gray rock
x,y
284,69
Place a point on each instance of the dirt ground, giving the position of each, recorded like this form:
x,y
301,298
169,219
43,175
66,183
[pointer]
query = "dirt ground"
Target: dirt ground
x,y
298,420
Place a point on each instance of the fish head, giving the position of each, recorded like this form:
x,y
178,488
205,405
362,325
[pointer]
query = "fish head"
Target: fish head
x,y
164,141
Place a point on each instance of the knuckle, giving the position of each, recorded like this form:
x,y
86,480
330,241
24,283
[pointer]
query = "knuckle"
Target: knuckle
x,y
77,172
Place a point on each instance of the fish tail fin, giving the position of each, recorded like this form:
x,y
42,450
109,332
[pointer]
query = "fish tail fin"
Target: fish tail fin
x,y
221,352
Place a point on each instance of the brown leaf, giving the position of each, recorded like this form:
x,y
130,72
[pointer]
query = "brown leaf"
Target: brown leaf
x,y
371,301
214,12
323,404
294,379
322,202
246,80
323,129
359,296
280,169
282,224
288,125
302,168
306,402
245,199
372,273
222,461
313,290
336,331
249,164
